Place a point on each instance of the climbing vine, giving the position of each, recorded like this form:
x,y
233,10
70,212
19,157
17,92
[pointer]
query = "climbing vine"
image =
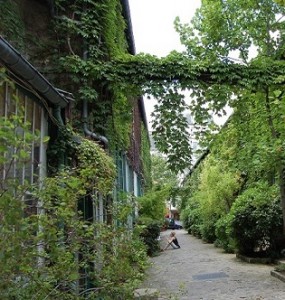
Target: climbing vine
x,y
11,23
93,32
107,72
46,243
93,52
146,157
95,166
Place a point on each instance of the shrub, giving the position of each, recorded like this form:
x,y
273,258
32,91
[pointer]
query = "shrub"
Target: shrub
x,y
208,229
256,220
195,222
191,218
211,198
224,239
149,234
185,217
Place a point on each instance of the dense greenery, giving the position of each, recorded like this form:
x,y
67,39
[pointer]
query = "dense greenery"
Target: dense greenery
x,y
211,200
95,32
256,220
152,205
242,212
250,149
146,157
250,146
47,253
164,184
206,67
150,234
44,254
251,85
11,23
47,244
236,214
105,74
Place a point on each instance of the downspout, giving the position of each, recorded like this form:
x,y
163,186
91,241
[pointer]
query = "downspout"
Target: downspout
x,y
88,132
56,112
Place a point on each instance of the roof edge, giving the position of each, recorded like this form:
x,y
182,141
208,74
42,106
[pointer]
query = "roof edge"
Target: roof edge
x,y
18,65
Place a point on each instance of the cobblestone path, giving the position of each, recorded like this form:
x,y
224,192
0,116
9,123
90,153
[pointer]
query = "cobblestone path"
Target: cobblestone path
x,y
201,271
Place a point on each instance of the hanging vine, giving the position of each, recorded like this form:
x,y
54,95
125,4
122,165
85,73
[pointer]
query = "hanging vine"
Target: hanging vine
x,y
92,53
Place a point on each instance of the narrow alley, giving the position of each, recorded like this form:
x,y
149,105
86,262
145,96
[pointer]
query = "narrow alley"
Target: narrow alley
x,y
201,271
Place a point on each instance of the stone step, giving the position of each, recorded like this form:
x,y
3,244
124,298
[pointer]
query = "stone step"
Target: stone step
x,y
146,294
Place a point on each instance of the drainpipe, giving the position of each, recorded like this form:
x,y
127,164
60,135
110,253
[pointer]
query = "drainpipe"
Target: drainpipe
x,y
88,132
56,111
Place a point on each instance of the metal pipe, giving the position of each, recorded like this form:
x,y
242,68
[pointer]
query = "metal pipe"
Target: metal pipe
x,y
88,132
61,155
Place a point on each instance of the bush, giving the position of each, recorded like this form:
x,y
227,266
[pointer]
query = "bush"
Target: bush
x,y
195,223
256,220
208,230
191,218
185,217
224,239
149,234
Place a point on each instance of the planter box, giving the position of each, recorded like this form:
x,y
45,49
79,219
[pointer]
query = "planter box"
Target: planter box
x,y
279,275
255,260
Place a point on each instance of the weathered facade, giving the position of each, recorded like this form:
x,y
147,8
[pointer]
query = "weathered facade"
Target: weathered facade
x,y
62,101
34,36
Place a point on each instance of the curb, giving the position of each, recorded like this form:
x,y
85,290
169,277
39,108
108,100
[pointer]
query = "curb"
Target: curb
x,y
255,260
278,275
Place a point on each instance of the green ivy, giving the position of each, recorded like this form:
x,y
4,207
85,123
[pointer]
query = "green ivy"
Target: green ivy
x,y
11,23
146,158
95,167
120,122
46,245
93,52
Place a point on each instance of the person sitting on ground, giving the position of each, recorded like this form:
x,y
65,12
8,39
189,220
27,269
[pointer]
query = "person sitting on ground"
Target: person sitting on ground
x,y
172,240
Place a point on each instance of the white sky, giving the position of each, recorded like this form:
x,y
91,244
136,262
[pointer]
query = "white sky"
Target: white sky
x,y
153,20
153,28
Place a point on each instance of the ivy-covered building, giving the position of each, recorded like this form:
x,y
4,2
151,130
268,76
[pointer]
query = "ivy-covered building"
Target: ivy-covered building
x,y
45,51
69,118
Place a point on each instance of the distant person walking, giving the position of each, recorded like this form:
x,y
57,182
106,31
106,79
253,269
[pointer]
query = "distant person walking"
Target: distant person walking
x,y
172,241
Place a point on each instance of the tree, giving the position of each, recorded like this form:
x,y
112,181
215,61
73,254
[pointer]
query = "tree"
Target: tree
x,y
238,26
164,185
218,29
161,174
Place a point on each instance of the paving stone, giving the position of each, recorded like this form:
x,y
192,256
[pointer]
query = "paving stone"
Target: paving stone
x,y
146,294
200,271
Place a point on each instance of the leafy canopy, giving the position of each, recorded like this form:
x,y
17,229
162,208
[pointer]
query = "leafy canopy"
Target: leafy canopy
x,y
206,67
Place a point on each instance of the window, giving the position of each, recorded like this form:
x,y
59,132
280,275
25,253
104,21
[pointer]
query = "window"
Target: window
x,y
12,100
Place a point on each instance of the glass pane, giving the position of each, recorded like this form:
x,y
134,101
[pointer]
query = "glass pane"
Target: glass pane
x,y
10,100
36,169
29,111
37,120
21,99
28,170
